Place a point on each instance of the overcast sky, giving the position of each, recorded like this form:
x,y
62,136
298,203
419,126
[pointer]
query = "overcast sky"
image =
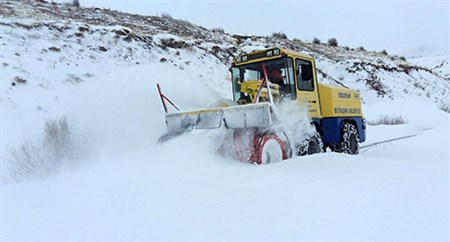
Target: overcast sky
x,y
405,28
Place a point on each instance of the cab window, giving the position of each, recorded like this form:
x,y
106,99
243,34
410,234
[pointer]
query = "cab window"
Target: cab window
x,y
304,75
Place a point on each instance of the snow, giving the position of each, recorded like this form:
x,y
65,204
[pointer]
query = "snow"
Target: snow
x,y
439,63
182,190
121,185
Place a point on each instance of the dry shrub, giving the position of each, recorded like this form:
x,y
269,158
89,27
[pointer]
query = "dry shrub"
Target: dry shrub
x,y
58,138
333,42
316,41
20,80
174,44
445,107
122,32
129,37
83,28
279,35
219,30
74,79
35,160
166,16
76,3
386,119
54,48
407,68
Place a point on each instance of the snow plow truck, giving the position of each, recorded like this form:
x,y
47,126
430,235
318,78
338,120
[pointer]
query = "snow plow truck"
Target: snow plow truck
x,y
335,113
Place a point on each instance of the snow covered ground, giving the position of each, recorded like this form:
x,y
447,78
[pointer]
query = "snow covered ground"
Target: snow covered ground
x,y
129,188
182,190
118,184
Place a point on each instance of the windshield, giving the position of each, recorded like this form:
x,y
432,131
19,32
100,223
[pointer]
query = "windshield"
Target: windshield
x,y
280,71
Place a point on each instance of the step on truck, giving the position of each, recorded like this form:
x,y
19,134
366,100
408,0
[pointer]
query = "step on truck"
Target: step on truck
x,y
260,81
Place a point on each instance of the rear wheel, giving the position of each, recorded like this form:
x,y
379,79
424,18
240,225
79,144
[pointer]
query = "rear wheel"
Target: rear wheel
x,y
350,139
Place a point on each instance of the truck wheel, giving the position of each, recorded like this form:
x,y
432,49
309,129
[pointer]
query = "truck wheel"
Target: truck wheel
x,y
350,139
311,145
271,149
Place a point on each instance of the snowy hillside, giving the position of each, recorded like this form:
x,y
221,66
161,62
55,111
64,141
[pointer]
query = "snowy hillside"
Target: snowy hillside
x,y
91,73
90,35
439,63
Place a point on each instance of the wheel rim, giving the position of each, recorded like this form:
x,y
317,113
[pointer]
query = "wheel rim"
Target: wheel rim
x,y
271,151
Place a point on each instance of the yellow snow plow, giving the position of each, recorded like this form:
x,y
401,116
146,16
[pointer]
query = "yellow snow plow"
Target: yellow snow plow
x,y
260,81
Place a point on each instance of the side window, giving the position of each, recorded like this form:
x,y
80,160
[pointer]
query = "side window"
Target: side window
x,y
304,75
290,76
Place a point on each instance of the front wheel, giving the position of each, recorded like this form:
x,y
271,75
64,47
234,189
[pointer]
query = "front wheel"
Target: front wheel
x,y
311,145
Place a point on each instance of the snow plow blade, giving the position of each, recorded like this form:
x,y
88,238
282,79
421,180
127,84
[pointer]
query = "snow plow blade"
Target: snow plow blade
x,y
233,117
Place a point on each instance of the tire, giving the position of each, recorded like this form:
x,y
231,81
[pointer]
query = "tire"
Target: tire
x,y
350,139
271,149
311,145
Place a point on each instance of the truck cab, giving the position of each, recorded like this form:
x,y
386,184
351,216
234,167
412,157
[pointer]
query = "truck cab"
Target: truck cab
x,y
299,81
333,110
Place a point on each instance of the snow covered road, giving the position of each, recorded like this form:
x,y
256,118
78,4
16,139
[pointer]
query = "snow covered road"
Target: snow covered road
x,y
393,191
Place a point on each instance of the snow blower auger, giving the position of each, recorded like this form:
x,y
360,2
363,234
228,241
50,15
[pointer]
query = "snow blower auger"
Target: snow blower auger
x,y
260,80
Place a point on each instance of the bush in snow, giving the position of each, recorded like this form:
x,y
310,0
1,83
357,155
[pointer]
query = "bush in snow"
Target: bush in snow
x,y
445,107
218,30
76,3
54,48
332,42
37,159
20,80
279,35
316,41
387,120
384,52
166,16
58,139
174,44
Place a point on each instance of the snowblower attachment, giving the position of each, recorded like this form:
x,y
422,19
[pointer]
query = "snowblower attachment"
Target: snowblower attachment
x,y
255,115
234,117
